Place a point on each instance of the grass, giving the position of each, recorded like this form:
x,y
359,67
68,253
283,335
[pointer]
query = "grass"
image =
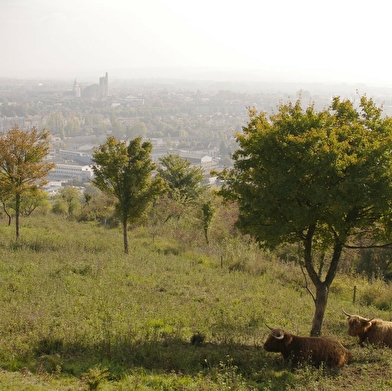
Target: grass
x,y
78,314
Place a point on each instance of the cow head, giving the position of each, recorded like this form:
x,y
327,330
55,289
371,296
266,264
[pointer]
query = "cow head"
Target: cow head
x,y
357,325
277,341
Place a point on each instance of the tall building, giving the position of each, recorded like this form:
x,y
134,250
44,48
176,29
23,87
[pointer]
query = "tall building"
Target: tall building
x,y
104,86
76,89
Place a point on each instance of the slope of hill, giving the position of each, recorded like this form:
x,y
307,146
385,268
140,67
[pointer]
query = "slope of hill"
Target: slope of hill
x,y
76,314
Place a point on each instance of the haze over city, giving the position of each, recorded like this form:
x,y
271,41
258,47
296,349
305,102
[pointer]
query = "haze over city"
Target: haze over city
x,y
282,40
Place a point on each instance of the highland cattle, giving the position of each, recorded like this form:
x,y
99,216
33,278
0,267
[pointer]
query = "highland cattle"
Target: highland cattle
x,y
372,331
312,350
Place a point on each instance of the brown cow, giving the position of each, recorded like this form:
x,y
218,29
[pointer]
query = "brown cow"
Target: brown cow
x,y
373,331
314,350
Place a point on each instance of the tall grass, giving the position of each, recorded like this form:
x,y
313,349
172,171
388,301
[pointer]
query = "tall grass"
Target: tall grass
x,y
77,313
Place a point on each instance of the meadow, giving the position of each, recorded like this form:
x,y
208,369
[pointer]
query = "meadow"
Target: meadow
x,y
173,314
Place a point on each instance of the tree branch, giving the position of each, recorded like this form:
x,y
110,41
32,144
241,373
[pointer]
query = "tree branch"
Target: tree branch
x,y
386,245
307,286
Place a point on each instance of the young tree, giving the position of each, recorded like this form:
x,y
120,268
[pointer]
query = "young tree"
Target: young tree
x,y
68,201
183,179
208,211
125,171
55,123
22,164
36,199
320,179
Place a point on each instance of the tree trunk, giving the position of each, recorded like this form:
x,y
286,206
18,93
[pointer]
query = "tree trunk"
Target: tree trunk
x,y
8,214
125,234
322,287
17,215
320,303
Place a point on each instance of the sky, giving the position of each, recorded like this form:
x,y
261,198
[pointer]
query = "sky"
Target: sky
x,y
346,41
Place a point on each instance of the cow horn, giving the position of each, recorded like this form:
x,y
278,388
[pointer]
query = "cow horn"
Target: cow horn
x,y
280,336
268,326
344,312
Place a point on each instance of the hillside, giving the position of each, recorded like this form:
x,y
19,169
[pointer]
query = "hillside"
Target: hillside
x,y
77,314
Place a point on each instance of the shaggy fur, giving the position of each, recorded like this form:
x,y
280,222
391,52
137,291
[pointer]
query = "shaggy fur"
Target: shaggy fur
x,y
372,331
314,350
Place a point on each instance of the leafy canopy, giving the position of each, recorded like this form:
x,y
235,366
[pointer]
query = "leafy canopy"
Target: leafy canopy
x,y
183,179
22,164
302,168
125,171
320,179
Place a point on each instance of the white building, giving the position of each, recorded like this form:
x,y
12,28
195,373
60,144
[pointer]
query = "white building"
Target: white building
x,y
68,171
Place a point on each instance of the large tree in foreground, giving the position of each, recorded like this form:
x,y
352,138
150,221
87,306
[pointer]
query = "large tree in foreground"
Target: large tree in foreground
x,y
22,165
125,171
321,179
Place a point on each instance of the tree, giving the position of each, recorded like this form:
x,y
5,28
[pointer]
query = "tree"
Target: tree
x,y
137,129
36,199
208,211
72,125
5,209
22,165
117,128
183,179
99,206
319,179
67,201
55,123
125,171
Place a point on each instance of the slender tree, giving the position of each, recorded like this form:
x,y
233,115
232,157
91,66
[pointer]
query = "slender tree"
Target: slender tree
x,y
208,211
183,181
321,179
22,165
125,171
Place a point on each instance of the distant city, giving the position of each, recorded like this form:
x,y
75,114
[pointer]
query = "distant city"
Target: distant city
x,y
196,119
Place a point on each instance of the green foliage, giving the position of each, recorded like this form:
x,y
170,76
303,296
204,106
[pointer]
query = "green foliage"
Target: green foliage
x,y
124,171
22,166
138,129
318,179
36,199
99,207
377,294
375,262
55,123
208,211
68,202
117,129
94,377
308,168
76,314
72,125
183,179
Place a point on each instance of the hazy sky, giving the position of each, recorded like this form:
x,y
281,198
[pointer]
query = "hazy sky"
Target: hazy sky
x,y
314,40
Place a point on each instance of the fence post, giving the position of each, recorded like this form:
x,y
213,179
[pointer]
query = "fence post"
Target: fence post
x,y
355,294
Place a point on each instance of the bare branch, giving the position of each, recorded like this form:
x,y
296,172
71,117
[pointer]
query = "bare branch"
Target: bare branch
x,y
386,245
307,286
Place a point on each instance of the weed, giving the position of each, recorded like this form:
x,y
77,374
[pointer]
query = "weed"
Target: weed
x,y
94,377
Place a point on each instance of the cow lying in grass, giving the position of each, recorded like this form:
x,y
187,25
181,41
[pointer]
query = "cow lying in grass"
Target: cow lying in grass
x,y
312,350
372,331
